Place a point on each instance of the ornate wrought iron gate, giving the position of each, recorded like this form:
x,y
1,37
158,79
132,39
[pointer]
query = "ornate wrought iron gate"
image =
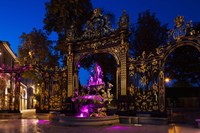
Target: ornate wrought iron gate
x,y
53,89
146,73
99,37
141,78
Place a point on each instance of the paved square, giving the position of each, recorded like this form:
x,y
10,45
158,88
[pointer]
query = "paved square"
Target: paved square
x,y
44,126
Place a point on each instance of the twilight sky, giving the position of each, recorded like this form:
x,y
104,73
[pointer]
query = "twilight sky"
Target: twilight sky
x,y
17,16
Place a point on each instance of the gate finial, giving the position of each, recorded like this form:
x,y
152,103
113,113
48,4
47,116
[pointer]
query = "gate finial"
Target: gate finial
x,y
179,21
124,20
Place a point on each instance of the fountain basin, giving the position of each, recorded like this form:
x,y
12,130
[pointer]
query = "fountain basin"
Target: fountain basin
x,y
88,121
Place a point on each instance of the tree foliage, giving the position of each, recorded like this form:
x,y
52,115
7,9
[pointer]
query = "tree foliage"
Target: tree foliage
x,y
183,65
37,48
62,14
147,34
197,27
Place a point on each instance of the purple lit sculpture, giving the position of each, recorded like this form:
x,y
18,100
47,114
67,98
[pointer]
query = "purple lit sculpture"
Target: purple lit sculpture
x,y
93,99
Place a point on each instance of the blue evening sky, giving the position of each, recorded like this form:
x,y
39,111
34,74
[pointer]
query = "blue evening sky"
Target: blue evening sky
x,y
19,16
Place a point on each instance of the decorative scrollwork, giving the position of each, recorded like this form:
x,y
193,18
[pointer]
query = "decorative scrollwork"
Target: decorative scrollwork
x,y
55,103
142,68
98,26
181,29
71,34
131,70
97,45
69,57
160,51
131,90
143,81
179,21
145,101
124,48
154,65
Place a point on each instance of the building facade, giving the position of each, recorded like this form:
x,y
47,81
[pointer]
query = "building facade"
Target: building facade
x,y
7,66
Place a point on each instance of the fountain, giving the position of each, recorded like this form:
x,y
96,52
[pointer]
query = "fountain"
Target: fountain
x,y
91,102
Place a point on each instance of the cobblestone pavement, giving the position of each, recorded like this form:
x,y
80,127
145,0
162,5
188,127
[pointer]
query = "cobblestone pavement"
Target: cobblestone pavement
x,y
44,126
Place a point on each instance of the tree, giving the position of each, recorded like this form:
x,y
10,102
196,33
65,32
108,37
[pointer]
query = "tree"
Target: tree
x,y
183,65
147,34
62,14
197,28
37,48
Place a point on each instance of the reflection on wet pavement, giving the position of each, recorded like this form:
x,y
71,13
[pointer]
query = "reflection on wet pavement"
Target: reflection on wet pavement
x,y
45,126
173,128
19,126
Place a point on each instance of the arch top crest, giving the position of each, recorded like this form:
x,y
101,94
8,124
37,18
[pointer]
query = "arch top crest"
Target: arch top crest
x,y
181,29
99,34
99,26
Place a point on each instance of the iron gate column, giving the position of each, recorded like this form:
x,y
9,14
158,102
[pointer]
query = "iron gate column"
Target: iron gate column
x,y
70,71
123,74
123,66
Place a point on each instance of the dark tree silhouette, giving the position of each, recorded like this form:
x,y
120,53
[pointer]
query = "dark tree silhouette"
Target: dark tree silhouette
x,y
37,48
147,34
183,65
62,14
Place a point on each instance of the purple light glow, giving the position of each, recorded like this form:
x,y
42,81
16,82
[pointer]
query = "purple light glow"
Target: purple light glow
x,y
96,76
118,128
81,115
85,110
92,97
90,102
43,122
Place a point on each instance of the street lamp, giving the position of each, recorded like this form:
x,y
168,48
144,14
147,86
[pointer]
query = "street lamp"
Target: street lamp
x,y
167,80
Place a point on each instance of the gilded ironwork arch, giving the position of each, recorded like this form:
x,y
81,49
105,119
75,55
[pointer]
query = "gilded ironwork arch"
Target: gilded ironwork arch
x,y
79,57
187,41
99,37
146,83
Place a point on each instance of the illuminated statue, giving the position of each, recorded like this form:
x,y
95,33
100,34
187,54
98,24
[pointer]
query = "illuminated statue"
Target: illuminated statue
x,y
96,77
96,96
